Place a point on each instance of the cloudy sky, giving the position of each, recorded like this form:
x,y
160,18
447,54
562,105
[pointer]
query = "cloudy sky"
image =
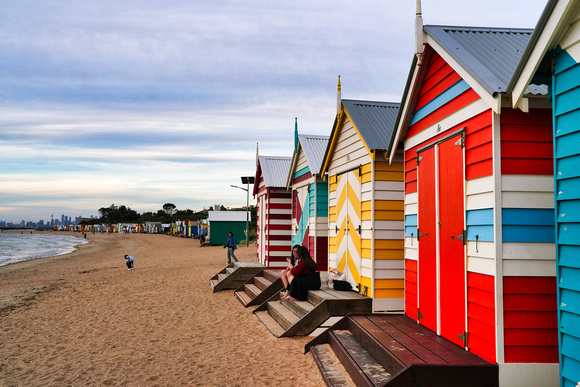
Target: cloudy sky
x,y
142,102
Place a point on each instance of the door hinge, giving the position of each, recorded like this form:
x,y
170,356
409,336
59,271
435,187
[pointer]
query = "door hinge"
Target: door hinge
x,y
419,158
419,234
336,228
419,315
461,141
462,237
463,337
359,229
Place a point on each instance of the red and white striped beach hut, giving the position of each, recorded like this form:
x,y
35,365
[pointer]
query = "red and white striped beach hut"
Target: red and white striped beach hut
x,y
479,226
274,211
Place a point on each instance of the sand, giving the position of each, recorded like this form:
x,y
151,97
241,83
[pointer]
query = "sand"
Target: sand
x,y
84,319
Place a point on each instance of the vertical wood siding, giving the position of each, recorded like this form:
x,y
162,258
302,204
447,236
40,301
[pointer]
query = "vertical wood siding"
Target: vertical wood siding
x,y
566,89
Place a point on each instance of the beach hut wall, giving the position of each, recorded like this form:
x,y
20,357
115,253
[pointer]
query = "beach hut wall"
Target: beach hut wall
x,y
365,202
223,222
553,54
479,246
274,209
310,198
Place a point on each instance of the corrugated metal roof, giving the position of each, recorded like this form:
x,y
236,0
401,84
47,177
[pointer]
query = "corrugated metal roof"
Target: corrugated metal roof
x,y
275,170
489,55
314,148
375,121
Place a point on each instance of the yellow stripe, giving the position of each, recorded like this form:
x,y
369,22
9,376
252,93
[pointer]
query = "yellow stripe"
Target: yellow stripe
x,y
367,168
383,215
366,253
389,254
384,166
353,198
355,238
389,293
389,284
384,205
332,187
332,179
352,267
389,176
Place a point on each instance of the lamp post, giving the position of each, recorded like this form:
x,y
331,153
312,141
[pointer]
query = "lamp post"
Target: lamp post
x,y
246,180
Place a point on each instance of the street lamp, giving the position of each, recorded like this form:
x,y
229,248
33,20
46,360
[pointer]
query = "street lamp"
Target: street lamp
x,y
246,180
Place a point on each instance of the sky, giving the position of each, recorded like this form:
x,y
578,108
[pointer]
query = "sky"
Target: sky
x,y
142,103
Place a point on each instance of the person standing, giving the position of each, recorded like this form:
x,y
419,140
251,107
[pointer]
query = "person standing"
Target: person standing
x,y
130,261
231,246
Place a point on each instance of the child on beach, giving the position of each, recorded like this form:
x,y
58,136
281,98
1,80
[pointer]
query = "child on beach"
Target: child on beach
x,y
130,261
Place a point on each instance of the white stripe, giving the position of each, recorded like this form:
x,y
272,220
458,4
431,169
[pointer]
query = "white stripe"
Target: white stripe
x,y
540,251
393,305
476,202
529,268
481,265
479,185
447,123
527,200
527,183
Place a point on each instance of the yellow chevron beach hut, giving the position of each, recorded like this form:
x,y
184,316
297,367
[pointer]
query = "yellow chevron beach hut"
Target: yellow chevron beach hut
x,y
366,202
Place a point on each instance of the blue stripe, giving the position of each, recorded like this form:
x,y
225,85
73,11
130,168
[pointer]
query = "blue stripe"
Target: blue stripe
x,y
528,234
443,98
411,226
301,172
528,216
480,225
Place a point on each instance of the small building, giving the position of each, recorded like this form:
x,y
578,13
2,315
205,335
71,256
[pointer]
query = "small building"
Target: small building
x,y
479,246
220,223
553,55
309,197
274,211
365,202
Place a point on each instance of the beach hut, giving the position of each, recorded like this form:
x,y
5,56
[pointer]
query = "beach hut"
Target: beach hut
x,y
553,55
274,211
309,196
479,246
365,202
220,223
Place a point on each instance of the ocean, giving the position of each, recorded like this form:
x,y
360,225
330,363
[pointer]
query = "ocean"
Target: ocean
x,y
16,247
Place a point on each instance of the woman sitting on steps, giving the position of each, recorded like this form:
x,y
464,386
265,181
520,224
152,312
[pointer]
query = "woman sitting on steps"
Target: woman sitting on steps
x,y
302,278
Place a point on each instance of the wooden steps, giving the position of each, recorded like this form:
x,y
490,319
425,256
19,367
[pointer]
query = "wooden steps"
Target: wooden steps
x,y
234,275
285,318
259,288
393,350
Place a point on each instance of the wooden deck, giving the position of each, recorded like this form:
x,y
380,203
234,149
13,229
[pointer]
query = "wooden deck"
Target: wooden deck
x,y
393,350
259,288
234,275
285,318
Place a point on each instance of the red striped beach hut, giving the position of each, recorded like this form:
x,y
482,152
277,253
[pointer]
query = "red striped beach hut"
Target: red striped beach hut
x,y
479,230
274,211
553,55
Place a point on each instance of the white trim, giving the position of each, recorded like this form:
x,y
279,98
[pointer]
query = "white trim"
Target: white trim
x,y
528,374
548,39
445,124
497,237
391,305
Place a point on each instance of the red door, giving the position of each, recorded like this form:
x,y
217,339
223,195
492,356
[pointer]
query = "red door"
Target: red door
x,y
452,252
427,267
441,267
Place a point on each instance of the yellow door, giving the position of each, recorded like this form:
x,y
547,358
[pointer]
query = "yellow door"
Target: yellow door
x,y
348,226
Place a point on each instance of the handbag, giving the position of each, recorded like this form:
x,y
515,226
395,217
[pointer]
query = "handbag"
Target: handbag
x,y
341,285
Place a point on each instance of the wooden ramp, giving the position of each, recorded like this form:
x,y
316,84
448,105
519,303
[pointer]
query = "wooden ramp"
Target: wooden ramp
x,y
234,275
393,350
259,288
285,318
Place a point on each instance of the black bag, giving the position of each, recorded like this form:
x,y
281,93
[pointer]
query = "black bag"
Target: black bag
x,y
341,285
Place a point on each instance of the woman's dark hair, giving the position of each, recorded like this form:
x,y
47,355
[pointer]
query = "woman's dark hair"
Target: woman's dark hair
x,y
304,255
296,247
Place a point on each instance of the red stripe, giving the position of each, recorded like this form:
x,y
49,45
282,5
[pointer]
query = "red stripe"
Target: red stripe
x,y
278,206
278,227
306,176
279,216
280,237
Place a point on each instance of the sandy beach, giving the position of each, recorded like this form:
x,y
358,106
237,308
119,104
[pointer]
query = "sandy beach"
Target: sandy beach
x,y
84,319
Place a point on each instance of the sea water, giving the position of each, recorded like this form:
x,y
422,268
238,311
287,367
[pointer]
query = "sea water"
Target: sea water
x,y
16,246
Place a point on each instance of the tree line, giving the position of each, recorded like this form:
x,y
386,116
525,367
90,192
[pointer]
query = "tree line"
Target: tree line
x,y
167,214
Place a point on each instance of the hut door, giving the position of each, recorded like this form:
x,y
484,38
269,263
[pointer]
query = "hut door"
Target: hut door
x,y
441,269
348,225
